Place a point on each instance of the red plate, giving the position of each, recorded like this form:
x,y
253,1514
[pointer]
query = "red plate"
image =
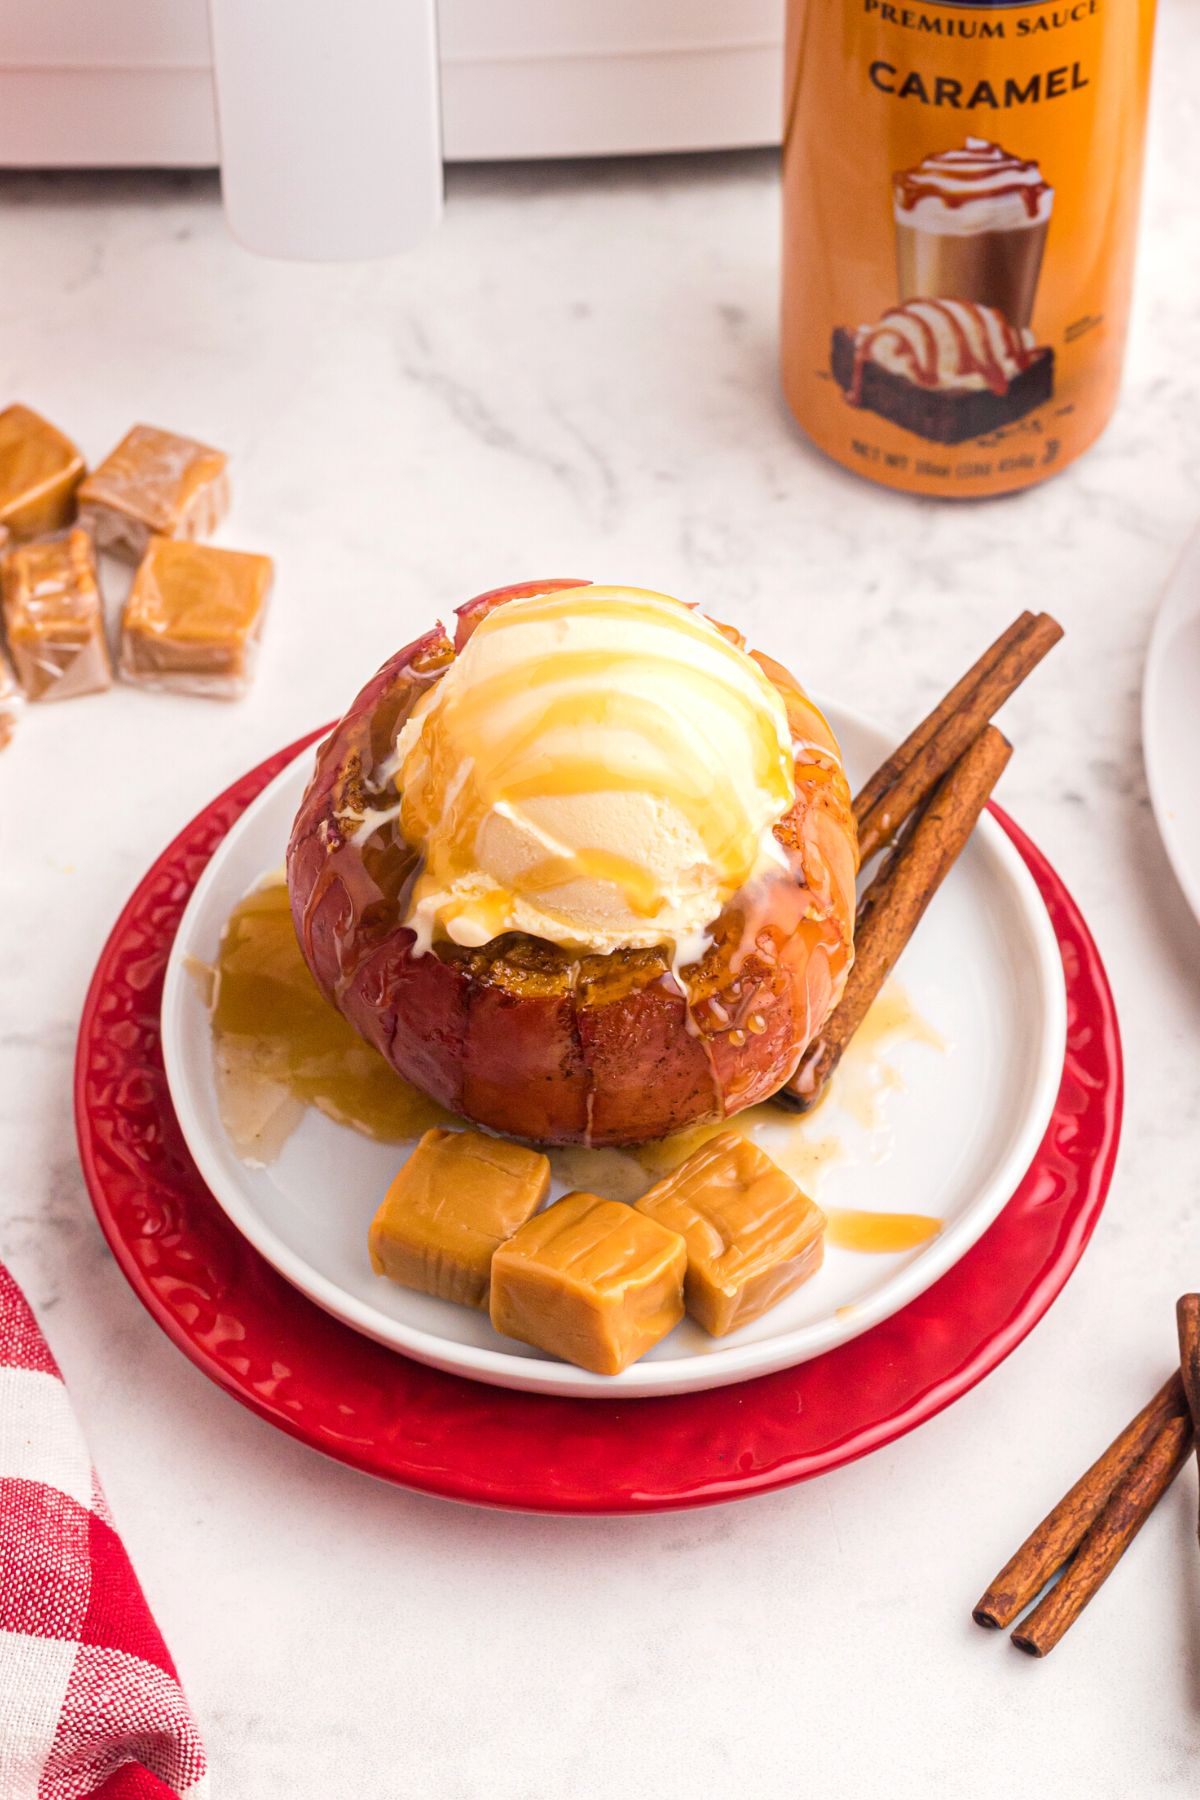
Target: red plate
x,y
297,1367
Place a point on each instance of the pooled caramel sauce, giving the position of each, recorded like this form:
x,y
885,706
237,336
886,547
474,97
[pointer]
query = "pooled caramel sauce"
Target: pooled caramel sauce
x,y
893,1017
279,1046
878,1233
627,1174
865,1075
614,1174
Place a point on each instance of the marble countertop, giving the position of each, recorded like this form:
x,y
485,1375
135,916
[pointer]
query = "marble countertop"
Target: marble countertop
x,y
578,374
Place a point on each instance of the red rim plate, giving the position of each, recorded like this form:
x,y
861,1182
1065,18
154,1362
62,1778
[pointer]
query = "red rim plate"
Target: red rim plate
x,y
303,1371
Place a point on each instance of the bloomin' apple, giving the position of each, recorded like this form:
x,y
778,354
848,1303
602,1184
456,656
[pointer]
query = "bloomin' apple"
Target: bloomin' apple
x,y
527,1038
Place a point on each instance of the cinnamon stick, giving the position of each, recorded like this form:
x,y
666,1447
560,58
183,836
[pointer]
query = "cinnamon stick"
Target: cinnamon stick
x,y
1187,1318
901,784
885,775
894,903
1127,1509
1063,1529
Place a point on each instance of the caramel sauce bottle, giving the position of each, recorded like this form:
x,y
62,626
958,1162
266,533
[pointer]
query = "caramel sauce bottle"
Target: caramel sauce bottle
x,y
961,186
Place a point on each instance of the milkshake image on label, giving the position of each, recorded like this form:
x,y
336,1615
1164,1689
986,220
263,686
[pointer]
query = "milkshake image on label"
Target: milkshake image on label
x,y
972,223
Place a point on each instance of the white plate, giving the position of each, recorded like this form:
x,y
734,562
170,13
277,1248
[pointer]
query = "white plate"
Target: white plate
x,y
957,1128
1171,721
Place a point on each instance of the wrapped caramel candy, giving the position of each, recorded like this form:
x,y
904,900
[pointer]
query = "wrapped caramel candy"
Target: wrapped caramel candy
x,y
54,617
751,1235
40,470
457,1198
11,701
589,1280
193,619
154,484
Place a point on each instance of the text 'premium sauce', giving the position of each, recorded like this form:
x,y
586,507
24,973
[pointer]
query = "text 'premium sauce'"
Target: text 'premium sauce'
x,y
961,186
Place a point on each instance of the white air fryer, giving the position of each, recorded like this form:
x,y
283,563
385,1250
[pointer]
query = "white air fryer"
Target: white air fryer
x,y
331,118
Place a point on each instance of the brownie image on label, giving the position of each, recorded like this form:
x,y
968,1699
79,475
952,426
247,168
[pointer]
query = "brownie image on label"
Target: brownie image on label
x,y
946,370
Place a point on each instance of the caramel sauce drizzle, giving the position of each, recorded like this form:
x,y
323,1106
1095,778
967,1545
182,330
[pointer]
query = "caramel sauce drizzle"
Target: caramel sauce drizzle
x,y
878,1233
978,165
923,365
488,752
274,1034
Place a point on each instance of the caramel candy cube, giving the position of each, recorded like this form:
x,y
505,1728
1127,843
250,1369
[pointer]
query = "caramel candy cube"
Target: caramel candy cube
x,y
54,617
40,470
751,1235
11,702
154,484
459,1195
589,1280
194,618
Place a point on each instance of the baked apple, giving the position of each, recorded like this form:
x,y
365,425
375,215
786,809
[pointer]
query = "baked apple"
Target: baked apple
x,y
584,874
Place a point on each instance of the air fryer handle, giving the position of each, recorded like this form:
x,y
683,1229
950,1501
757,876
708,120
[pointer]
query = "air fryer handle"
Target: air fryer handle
x,y
328,112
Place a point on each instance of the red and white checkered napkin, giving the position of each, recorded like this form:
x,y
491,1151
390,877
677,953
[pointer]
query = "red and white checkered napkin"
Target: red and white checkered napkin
x,y
90,1705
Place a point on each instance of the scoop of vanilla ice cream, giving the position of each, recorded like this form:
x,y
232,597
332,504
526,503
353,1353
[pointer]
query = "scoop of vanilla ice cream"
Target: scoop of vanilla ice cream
x,y
599,767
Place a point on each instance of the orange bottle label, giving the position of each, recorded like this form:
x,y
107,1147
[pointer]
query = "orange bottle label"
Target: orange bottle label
x,y
961,187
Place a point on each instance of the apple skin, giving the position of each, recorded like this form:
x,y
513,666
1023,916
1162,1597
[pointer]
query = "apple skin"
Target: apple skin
x,y
522,1037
